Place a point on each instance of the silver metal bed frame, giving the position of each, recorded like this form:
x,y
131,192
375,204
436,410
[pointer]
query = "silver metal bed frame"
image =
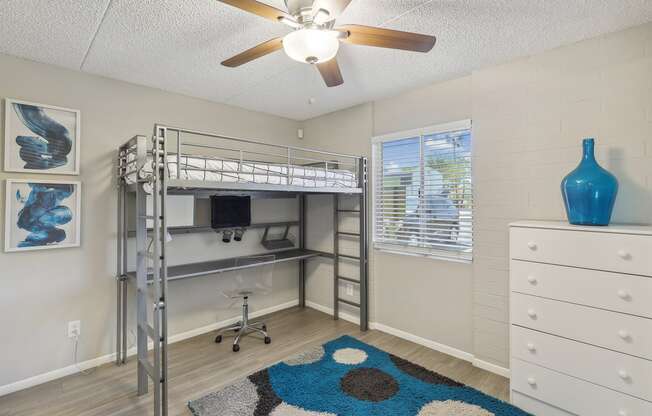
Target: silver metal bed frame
x,y
148,161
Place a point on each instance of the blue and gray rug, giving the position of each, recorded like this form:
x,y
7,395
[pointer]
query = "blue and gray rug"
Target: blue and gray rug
x,y
349,378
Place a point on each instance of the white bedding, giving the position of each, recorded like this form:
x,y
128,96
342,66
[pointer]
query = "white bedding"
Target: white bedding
x,y
219,170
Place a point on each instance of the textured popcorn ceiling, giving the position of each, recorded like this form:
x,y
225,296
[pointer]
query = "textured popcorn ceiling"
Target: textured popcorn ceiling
x,y
178,45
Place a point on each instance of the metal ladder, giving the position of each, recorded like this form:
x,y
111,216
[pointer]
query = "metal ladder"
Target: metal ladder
x,y
121,277
157,332
362,259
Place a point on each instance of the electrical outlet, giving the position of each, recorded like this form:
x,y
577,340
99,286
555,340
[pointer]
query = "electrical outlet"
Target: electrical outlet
x,y
74,329
349,289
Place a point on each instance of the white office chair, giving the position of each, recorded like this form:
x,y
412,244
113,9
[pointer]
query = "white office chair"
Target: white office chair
x,y
251,281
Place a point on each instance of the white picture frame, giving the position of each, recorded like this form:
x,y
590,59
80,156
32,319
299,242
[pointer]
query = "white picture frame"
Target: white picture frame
x,y
22,238
32,125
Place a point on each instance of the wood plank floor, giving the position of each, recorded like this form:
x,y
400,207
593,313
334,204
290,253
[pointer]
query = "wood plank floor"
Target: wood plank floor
x,y
199,366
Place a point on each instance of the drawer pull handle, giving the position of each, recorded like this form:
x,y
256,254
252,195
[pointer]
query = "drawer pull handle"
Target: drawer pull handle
x,y
624,334
530,347
623,254
532,313
623,374
533,280
623,294
532,245
531,381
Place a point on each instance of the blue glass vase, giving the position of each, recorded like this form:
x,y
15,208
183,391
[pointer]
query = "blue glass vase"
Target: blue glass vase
x,y
589,191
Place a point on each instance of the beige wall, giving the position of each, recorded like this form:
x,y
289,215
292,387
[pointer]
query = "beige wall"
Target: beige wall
x,y
346,132
425,297
41,291
529,117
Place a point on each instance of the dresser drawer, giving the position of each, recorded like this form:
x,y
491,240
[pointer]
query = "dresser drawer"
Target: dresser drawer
x,y
616,331
624,253
536,407
571,394
607,368
614,291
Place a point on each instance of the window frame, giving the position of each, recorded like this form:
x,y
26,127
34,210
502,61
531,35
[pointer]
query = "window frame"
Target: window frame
x,y
439,254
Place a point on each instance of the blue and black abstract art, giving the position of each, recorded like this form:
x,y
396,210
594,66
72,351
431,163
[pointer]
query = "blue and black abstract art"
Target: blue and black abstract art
x,y
43,212
349,378
52,143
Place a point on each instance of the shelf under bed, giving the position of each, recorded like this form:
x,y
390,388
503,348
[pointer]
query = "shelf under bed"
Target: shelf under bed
x,y
187,271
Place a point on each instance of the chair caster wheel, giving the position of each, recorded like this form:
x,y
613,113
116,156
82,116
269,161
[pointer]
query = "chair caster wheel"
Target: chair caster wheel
x,y
268,340
218,339
264,328
236,348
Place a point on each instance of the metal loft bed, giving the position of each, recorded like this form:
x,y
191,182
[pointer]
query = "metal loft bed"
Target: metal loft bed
x,y
183,161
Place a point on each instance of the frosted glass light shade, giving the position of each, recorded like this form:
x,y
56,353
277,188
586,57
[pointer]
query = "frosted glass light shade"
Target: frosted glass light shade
x,y
311,46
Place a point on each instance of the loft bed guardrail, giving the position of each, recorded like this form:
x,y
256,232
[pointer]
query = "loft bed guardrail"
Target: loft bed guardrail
x,y
185,161
190,157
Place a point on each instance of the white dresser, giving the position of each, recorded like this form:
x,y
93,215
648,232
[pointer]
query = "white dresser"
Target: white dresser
x,y
581,319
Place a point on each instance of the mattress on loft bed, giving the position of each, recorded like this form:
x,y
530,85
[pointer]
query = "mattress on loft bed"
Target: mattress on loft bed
x,y
222,170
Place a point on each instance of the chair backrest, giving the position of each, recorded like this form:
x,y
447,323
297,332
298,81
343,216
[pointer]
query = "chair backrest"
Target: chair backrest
x,y
257,280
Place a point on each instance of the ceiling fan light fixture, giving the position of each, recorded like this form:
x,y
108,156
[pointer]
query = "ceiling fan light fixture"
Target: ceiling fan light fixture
x,y
290,22
313,46
316,39
321,16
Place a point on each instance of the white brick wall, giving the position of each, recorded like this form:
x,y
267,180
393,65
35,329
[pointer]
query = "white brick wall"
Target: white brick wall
x,y
529,118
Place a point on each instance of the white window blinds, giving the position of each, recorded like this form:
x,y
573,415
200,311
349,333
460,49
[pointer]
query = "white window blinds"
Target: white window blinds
x,y
423,201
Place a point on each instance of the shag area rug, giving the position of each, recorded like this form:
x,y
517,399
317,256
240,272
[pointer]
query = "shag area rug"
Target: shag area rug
x,y
349,378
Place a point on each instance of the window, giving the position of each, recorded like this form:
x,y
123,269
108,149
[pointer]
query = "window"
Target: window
x,y
423,201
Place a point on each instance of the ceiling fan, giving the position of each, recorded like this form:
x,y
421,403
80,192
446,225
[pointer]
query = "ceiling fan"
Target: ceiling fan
x,y
315,39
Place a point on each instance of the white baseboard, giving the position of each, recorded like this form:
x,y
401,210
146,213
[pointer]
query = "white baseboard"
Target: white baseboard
x,y
493,368
329,311
55,374
95,362
446,349
452,351
217,325
455,352
433,345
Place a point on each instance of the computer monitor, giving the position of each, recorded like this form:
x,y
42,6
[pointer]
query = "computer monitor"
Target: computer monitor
x,y
230,211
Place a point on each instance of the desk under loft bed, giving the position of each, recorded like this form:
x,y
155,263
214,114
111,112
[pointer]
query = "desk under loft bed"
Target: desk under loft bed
x,y
177,161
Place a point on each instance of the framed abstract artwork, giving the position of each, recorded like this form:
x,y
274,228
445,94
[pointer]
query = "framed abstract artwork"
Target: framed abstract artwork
x,y
41,138
42,214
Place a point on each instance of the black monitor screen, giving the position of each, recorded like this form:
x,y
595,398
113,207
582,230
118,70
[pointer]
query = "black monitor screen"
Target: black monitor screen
x,y
230,211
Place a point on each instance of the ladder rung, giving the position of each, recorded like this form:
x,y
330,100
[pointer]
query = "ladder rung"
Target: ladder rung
x,y
150,332
347,210
147,217
146,254
348,279
349,302
348,234
149,369
347,256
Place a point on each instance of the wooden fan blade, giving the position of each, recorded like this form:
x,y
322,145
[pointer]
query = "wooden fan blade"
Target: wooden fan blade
x,y
258,8
387,38
330,71
254,53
